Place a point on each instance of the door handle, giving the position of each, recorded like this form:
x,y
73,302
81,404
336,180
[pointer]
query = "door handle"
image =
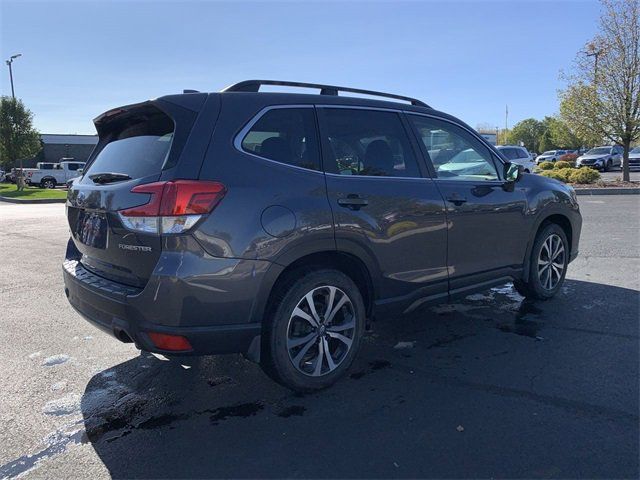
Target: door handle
x,y
353,201
457,200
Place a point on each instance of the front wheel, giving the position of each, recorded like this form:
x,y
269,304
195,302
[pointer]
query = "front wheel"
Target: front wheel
x,y
314,332
547,264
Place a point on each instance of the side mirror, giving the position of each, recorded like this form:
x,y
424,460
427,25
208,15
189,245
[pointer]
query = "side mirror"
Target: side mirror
x,y
80,171
512,173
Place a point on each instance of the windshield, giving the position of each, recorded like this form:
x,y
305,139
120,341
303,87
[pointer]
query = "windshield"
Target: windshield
x,y
635,150
550,152
599,151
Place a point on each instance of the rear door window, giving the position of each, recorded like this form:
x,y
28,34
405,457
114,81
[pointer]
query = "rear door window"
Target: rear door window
x,y
367,143
285,135
137,145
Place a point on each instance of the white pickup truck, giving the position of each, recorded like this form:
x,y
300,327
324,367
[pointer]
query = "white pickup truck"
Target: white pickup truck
x,y
60,174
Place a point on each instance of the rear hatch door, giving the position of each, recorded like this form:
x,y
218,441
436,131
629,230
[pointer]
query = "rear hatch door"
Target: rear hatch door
x,y
137,144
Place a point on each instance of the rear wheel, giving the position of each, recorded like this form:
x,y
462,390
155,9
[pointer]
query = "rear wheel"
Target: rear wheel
x,y
48,183
314,330
547,264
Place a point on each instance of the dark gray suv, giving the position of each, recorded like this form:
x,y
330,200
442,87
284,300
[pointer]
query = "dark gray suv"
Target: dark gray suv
x,y
278,224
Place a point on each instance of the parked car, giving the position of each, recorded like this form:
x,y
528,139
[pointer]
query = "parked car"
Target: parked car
x,y
279,224
519,155
550,156
602,158
3,175
58,175
634,159
12,176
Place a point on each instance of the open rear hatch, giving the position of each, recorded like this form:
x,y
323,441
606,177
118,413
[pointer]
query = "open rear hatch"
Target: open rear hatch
x,y
136,145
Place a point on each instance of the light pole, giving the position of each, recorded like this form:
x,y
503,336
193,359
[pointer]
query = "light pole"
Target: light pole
x,y
9,62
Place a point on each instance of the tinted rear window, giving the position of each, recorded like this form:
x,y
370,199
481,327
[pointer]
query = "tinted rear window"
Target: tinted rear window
x,y
138,146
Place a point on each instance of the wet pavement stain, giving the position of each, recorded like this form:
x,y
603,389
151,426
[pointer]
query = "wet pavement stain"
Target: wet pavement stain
x,y
358,375
525,323
243,410
448,340
292,411
379,364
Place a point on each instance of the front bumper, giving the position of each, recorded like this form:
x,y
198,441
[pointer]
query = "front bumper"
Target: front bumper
x,y
129,313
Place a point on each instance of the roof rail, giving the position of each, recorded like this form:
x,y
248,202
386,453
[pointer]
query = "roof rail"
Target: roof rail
x,y
254,86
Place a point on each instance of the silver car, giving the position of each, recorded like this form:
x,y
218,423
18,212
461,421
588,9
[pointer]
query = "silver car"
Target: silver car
x,y
634,159
601,158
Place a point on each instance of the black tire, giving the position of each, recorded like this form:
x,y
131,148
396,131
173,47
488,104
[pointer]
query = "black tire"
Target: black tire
x,y
48,183
535,287
607,166
281,325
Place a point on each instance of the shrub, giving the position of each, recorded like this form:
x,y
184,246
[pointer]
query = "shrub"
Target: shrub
x,y
561,164
546,166
570,158
584,175
562,174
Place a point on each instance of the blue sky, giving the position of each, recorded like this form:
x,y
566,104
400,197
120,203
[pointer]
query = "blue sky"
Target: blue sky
x,y
466,58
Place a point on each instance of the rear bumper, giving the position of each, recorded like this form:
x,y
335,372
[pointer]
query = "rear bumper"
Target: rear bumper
x,y
129,314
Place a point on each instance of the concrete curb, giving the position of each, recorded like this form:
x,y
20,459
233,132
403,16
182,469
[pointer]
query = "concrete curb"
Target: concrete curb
x,y
33,200
607,191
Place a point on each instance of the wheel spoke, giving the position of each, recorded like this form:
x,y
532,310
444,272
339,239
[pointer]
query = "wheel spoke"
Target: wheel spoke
x,y
312,307
296,342
342,327
338,336
559,252
338,306
546,265
303,352
558,265
317,369
330,361
298,312
329,307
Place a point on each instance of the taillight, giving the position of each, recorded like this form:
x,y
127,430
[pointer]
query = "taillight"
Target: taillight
x,y
174,206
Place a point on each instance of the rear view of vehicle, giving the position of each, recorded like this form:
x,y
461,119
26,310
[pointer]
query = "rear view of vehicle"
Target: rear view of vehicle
x,y
136,198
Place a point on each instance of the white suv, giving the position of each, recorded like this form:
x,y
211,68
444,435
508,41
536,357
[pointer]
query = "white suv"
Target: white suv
x,y
519,155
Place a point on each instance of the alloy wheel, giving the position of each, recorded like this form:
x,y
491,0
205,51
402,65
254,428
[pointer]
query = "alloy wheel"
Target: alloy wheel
x,y
551,262
321,331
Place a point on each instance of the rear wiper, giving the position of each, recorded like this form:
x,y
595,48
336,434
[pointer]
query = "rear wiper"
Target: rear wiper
x,y
109,177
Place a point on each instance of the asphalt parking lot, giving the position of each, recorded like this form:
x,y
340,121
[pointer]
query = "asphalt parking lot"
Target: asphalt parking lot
x,y
488,387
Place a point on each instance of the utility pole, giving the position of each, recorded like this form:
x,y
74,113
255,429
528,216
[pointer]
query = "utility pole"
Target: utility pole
x,y
9,62
20,179
594,52
506,122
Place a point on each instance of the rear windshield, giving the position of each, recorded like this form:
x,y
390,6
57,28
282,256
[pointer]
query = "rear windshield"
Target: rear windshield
x,y
138,145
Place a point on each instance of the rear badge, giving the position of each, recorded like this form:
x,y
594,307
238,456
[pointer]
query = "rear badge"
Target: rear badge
x,y
135,248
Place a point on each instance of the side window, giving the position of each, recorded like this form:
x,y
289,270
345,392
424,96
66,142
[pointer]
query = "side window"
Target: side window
x,y
368,143
510,153
285,135
455,153
73,166
521,153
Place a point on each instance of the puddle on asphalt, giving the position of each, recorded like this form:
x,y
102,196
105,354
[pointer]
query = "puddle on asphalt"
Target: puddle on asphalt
x,y
292,411
525,322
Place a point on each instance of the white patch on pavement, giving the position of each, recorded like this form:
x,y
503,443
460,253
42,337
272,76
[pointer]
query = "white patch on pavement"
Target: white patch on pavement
x,y
63,406
56,360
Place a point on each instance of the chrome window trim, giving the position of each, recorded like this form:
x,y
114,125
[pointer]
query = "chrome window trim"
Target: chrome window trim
x,y
237,141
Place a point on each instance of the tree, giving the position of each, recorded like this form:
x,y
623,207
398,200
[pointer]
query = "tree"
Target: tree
x,y
18,138
602,97
528,132
561,136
